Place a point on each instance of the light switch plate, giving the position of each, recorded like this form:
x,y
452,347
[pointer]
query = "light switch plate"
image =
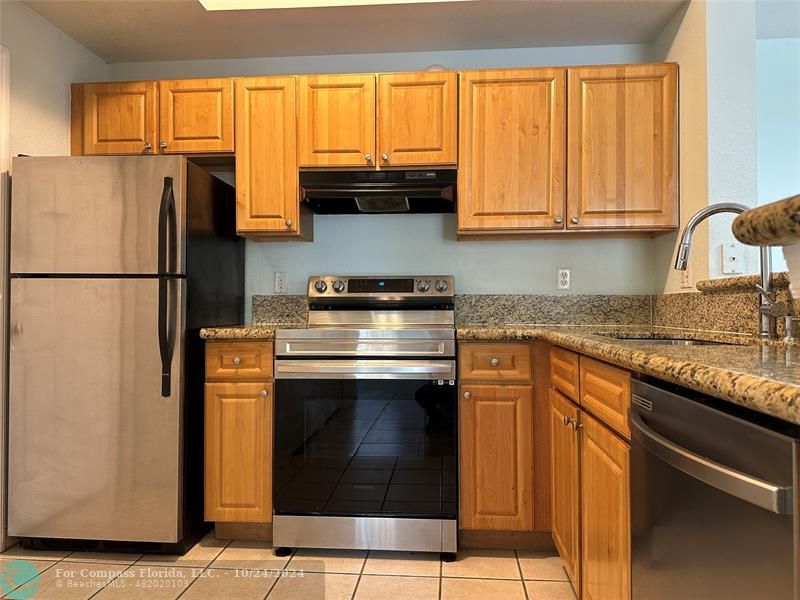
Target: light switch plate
x,y
732,258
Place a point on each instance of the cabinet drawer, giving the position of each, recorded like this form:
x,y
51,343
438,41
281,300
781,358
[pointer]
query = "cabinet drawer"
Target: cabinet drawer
x,y
238,360
564,372
606,393
494,362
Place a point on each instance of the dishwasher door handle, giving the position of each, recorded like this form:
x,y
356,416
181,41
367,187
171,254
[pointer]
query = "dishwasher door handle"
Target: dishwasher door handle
x,y
365,369
766,495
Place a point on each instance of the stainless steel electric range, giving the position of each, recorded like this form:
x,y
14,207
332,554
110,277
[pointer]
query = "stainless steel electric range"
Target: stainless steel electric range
x,y
366,418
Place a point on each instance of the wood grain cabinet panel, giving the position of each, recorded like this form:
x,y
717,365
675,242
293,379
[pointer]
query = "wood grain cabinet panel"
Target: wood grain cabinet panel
x,y
496,446
623,147
512,132
494,362
606,393
605,514
117,118
238,452
565,483
238,360
564,372
196,115
417,118
267,187
336,124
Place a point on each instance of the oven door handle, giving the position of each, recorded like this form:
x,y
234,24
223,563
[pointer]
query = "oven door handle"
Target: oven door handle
x,y
365,369
772,497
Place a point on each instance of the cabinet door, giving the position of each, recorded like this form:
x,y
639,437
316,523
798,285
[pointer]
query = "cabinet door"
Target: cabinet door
x,y
336,121
623,150
196,115
512,134
565,476
267,189
417,118
119,118
238,452
605,514
496,429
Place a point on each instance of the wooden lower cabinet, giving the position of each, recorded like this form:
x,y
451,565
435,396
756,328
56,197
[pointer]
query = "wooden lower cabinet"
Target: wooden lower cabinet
x,y
565,482
496,445
238,451
605,513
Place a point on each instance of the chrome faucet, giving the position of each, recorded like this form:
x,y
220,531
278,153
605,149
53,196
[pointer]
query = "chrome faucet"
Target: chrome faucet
x,y
769,308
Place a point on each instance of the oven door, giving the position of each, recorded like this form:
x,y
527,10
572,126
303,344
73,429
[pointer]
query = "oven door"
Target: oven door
x,y
365,438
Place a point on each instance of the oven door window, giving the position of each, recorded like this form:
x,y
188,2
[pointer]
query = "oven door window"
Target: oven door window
x,y
365,448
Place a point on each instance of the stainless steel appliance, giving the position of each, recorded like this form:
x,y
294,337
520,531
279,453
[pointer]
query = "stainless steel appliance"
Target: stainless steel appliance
x,y
393,191
366,417
116,262
714,503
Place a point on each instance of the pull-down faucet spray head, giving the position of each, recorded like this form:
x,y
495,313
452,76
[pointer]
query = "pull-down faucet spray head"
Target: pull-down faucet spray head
x,y
682,258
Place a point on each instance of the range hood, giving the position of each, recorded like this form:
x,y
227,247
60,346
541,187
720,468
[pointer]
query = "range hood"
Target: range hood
x,y
379,192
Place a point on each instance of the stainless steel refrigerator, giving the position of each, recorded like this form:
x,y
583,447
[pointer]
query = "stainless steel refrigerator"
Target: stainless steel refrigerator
x,y
116,263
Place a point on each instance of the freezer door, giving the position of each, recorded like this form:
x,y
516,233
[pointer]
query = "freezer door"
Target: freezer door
x,y
94,445
90,215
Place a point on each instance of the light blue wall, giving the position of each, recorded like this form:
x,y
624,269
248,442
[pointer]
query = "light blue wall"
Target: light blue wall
x,y
778,94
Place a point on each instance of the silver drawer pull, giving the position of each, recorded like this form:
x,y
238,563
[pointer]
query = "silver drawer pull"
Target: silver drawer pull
x,y
264,393
236,360
467,395
494,361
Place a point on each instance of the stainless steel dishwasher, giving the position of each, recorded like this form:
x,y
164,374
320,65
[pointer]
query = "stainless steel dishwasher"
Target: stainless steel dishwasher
x,y
713,499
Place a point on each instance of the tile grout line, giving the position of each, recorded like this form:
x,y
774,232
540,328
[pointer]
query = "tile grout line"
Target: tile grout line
x,y
283,568
360,574
521,576
440,576
204,569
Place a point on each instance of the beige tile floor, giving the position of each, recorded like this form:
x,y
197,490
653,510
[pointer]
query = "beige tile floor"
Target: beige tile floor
x,y
238,570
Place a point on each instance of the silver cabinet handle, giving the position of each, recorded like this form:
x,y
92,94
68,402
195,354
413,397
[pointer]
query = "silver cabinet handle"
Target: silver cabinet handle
x,y
467,395
236,360
163,145
767,495
566,420
368,157
558,220
264,393
574,220
576,425
494,361
385,156
148,146
288,222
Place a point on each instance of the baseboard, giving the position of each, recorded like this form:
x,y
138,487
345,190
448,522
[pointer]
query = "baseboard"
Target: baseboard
x,y
510,540
243,531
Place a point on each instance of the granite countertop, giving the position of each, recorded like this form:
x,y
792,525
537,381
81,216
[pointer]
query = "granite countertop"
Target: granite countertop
x,y
771,224
762,377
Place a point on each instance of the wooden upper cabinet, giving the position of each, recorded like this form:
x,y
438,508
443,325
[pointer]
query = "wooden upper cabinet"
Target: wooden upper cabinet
x,y
565,483
417,118
116,118
511,165
605,514
196,115
267,189
238,452
623,147
496,447
336,123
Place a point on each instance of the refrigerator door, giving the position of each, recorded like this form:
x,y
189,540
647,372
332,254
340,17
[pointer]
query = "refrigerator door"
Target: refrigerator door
x,y
95,215
95,448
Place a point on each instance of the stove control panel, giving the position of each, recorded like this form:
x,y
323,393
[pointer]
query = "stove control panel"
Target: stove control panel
x,y
396,287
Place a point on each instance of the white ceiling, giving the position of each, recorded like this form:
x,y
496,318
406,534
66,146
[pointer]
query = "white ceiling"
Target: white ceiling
x,y
155,30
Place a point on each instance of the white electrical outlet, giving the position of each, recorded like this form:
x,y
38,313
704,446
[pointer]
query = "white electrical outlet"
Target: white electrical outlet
x,y
563,279
281,282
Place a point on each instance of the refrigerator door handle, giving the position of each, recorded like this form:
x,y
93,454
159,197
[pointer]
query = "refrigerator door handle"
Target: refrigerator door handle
x,y
167,230
167,264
